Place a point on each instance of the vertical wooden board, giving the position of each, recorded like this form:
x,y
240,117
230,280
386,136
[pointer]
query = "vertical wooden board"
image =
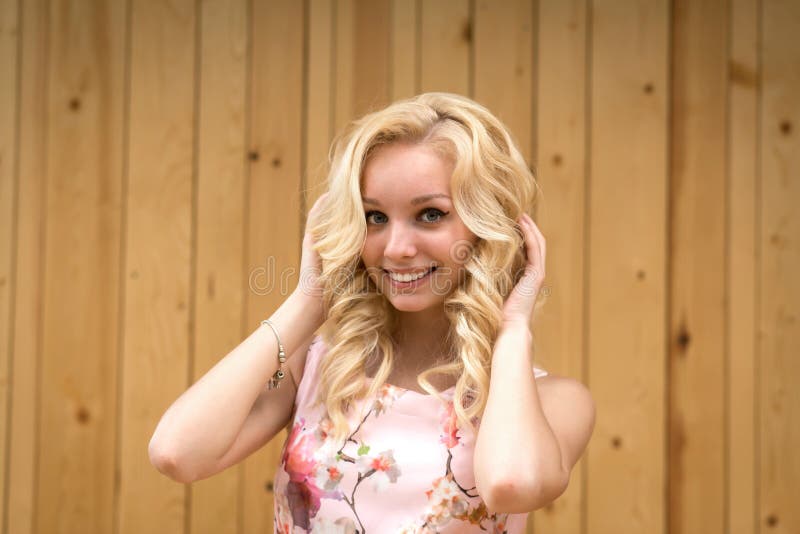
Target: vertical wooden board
x,y
779,316
220,281
741,290
158,254
697,267
274,213
75,483
445,46
362,58
9,100
561,170
503,70
31,217
344,64
319,105
627,257
404,57
371,51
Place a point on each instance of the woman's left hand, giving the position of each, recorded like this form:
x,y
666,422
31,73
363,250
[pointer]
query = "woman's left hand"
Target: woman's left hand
x,y
518,307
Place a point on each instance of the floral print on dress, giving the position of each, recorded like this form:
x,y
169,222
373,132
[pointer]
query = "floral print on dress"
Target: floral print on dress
x,y
447,499
406,466
315,473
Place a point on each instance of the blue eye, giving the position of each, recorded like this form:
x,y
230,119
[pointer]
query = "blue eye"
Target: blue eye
x,y
428,215
376,213
438,214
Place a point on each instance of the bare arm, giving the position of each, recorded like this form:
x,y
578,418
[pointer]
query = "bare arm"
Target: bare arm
x,y
229,413
532,432
196,435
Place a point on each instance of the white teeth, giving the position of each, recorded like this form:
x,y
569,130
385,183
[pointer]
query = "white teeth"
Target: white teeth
x,y
407,277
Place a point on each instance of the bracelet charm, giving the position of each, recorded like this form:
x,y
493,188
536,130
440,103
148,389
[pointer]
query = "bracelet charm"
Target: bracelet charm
x,y
275,380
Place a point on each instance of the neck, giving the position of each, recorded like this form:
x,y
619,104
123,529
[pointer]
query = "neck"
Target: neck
x,y
421,336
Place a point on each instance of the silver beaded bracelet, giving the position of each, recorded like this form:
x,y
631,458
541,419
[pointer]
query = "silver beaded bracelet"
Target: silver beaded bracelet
x,y
275,381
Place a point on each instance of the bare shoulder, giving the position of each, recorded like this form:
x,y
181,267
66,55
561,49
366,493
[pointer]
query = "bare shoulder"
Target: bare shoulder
x,y
570,411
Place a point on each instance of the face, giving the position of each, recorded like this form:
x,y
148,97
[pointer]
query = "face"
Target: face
x,y
416,243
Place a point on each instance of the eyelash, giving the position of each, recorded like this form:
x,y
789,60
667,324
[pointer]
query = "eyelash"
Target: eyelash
x,y
441,214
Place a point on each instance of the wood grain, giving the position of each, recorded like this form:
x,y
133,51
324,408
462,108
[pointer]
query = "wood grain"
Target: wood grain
x,y
445,46
158,254
503,70
778,319
218,252
9,138
318,130
627,301
273,210
149,151
697,266
743,173
405,57
561,169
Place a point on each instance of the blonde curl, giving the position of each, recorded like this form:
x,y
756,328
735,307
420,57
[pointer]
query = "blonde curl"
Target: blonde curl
x,y
492,186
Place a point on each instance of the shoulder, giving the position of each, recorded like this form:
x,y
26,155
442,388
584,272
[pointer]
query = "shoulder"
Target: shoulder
x,y
566,389
570,411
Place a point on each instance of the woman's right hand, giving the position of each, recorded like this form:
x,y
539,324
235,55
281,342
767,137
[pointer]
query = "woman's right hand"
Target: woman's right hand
x,y
310,263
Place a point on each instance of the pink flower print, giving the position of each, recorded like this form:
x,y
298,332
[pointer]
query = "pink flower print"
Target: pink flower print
x,y
383,467
328,475
445,502
478,514
415,529
302,493
385,463
304,502
499,527
298,455
386,396
283,516
343,525
324,429
449,426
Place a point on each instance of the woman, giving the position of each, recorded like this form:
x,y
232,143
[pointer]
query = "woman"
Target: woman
x,y
416,408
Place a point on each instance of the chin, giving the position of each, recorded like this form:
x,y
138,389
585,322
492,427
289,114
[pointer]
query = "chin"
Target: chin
x,y
415,305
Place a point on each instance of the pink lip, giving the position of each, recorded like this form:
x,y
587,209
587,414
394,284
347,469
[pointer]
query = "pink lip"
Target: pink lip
x,y
412,270
405,285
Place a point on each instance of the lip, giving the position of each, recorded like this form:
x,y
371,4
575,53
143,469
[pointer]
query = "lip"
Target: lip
x,y
411,270
413,283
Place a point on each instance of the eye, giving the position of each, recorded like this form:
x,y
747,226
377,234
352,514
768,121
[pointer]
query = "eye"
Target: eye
x,y
376,214
435,215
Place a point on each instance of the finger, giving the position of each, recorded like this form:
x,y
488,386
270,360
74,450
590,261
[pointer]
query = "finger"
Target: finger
x,y
318,203
540,240
531,240
313,213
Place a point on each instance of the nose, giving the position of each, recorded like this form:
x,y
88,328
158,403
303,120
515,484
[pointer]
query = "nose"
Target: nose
x,y
400,242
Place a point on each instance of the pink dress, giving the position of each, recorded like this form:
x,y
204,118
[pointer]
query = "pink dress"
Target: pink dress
x,y
405,468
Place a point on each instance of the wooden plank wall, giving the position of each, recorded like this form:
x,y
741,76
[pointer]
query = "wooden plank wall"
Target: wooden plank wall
x,y
156,160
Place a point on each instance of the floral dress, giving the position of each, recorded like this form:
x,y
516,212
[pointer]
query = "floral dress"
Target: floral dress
x,y
406,467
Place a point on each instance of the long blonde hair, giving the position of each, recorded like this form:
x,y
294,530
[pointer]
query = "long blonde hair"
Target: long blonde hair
x,y
491,186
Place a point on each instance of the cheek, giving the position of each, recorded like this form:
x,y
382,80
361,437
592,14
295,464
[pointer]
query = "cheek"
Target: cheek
x,y
371,258
461,249
369,253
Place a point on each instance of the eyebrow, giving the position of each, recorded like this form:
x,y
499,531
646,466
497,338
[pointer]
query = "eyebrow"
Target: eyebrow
x,y
414,201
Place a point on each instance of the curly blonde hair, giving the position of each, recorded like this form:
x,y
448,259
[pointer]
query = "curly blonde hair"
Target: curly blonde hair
x,y
491,187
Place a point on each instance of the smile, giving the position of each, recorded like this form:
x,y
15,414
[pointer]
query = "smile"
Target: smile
x,y
408,280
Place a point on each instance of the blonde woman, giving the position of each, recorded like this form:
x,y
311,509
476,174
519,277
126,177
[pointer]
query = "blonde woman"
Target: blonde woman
x,y
416,408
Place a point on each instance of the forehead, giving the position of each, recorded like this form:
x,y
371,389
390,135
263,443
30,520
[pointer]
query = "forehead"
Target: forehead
x,y
405,170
